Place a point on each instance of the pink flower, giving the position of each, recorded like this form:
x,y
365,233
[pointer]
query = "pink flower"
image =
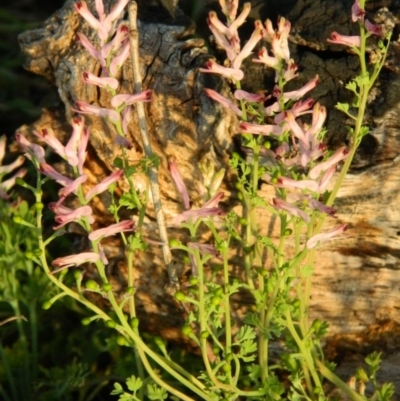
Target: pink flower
x,y
9,183
104,185
33,152
250,97
249,46
290,73
47,135
70,152
126,119
75,260
86,108
317,205
339,155
323,237
71,188
104,25
115,44
205,249
12,166
196,214
357,13
228,45
223,100
85,42
338,39
265,58
280,44
82,149
180,185
214,68
65,215
297,94
102,82
280,204
298,109
229,8
372,28
119,60
49,171
123,226
235,23
265,129
310,185
127,99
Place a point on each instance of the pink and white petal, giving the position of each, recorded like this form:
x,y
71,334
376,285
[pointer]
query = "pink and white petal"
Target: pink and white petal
x,y
266,129
338,156
19,161
82,149
241,18
102,82
49,171
83,10
213,202
284,182
214,68
280,204
86,108
338,39
317,205
123,226
120,59
75,260
250,97
256,36
297,94
223,101
128,99
326,236
104,185
8,184
180,185
73,187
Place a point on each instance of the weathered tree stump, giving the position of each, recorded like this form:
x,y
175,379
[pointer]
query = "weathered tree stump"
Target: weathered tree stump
x,y
356,286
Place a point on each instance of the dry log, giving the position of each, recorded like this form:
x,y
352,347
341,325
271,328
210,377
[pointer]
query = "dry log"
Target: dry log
x,y
356,286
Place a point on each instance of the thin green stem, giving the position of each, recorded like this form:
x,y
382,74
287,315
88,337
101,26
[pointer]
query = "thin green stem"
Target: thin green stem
x,y
329,375
303,349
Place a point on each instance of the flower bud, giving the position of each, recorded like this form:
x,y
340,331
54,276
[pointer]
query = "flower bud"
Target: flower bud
x,y
134,323
121,341
38,206
91,285
180,296
204,334
111,324
47,305
187,330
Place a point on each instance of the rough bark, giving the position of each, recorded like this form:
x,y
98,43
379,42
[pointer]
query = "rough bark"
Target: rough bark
x,y
356,286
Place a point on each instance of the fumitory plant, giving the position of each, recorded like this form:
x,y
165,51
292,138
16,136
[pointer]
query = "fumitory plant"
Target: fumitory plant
x,y
284,143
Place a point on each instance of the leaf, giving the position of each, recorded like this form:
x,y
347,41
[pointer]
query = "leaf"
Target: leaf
x,y
156,393
342,107
351,86
117,389
307,271
386,392
245,333
126,397
134,383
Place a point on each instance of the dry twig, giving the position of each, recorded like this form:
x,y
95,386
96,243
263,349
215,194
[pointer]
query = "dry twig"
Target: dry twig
x,y
155,189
